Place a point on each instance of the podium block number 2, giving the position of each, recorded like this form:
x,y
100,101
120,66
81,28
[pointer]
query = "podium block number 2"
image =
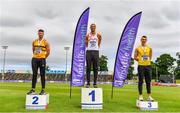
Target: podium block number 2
x,y
92,94
35,100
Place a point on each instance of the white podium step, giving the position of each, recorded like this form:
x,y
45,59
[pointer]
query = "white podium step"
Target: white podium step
x,y
37,101
147,105
91,98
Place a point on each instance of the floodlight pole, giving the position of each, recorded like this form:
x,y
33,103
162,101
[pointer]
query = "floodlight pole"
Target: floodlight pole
x,y
4,61
66,49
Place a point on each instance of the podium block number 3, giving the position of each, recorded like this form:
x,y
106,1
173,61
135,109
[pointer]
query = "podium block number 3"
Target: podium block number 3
x,y
92,94
149,105
35,100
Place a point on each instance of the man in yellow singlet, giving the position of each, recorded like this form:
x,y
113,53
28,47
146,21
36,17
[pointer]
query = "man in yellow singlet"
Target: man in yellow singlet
x,y
41,50
143,55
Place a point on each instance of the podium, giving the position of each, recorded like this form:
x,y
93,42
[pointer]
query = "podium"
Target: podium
x,y
147,105
36,102
91,98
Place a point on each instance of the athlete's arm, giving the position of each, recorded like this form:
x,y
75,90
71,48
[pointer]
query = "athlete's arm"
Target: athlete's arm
x,y
136,55
33,48
99,39
86,40
150,54
47,49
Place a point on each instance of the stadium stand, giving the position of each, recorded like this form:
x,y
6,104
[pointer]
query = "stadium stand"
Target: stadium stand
x,y
50,77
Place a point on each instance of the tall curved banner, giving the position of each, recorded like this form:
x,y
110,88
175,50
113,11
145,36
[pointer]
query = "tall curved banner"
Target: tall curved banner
x,y
124,52
79,50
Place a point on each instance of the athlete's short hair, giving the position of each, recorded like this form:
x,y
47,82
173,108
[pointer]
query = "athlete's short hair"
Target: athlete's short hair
x,y
40,30
93,24
144,37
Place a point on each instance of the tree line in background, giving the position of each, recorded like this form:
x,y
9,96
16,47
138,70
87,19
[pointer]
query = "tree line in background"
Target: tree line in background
x,y
165,64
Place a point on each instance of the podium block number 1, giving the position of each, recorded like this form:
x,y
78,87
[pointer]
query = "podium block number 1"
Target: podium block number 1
x,y
92,94
91,98
35,100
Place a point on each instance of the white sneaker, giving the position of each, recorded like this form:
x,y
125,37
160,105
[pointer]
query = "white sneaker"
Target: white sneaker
x,y
141,98
150,98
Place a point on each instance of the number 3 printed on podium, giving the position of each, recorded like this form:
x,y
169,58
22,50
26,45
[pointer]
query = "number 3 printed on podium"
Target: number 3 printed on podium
x,y
149,105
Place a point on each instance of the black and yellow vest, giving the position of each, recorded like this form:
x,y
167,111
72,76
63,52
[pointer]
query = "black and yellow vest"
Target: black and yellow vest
x,y
40,48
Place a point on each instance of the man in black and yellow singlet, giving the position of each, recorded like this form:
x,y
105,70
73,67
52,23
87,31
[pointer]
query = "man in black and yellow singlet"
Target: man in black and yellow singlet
x,y
143,55
41,51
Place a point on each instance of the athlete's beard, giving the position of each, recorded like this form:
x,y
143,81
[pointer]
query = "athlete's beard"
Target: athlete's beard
x,y
143,44
93,31
40,37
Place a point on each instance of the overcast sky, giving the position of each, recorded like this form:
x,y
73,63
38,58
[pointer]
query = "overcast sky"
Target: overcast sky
x,y
20,20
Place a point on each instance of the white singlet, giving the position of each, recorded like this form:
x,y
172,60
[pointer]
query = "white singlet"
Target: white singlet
x,y
92,42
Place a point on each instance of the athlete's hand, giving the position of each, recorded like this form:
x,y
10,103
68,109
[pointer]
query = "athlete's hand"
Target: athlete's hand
x,y
136,58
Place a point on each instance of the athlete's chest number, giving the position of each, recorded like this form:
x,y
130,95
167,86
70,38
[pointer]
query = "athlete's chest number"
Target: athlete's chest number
x,y
35,100
38,50
93,43
145,57
92,94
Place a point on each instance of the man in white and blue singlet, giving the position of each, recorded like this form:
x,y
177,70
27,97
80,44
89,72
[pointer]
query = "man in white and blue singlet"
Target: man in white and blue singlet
x,y
93,41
